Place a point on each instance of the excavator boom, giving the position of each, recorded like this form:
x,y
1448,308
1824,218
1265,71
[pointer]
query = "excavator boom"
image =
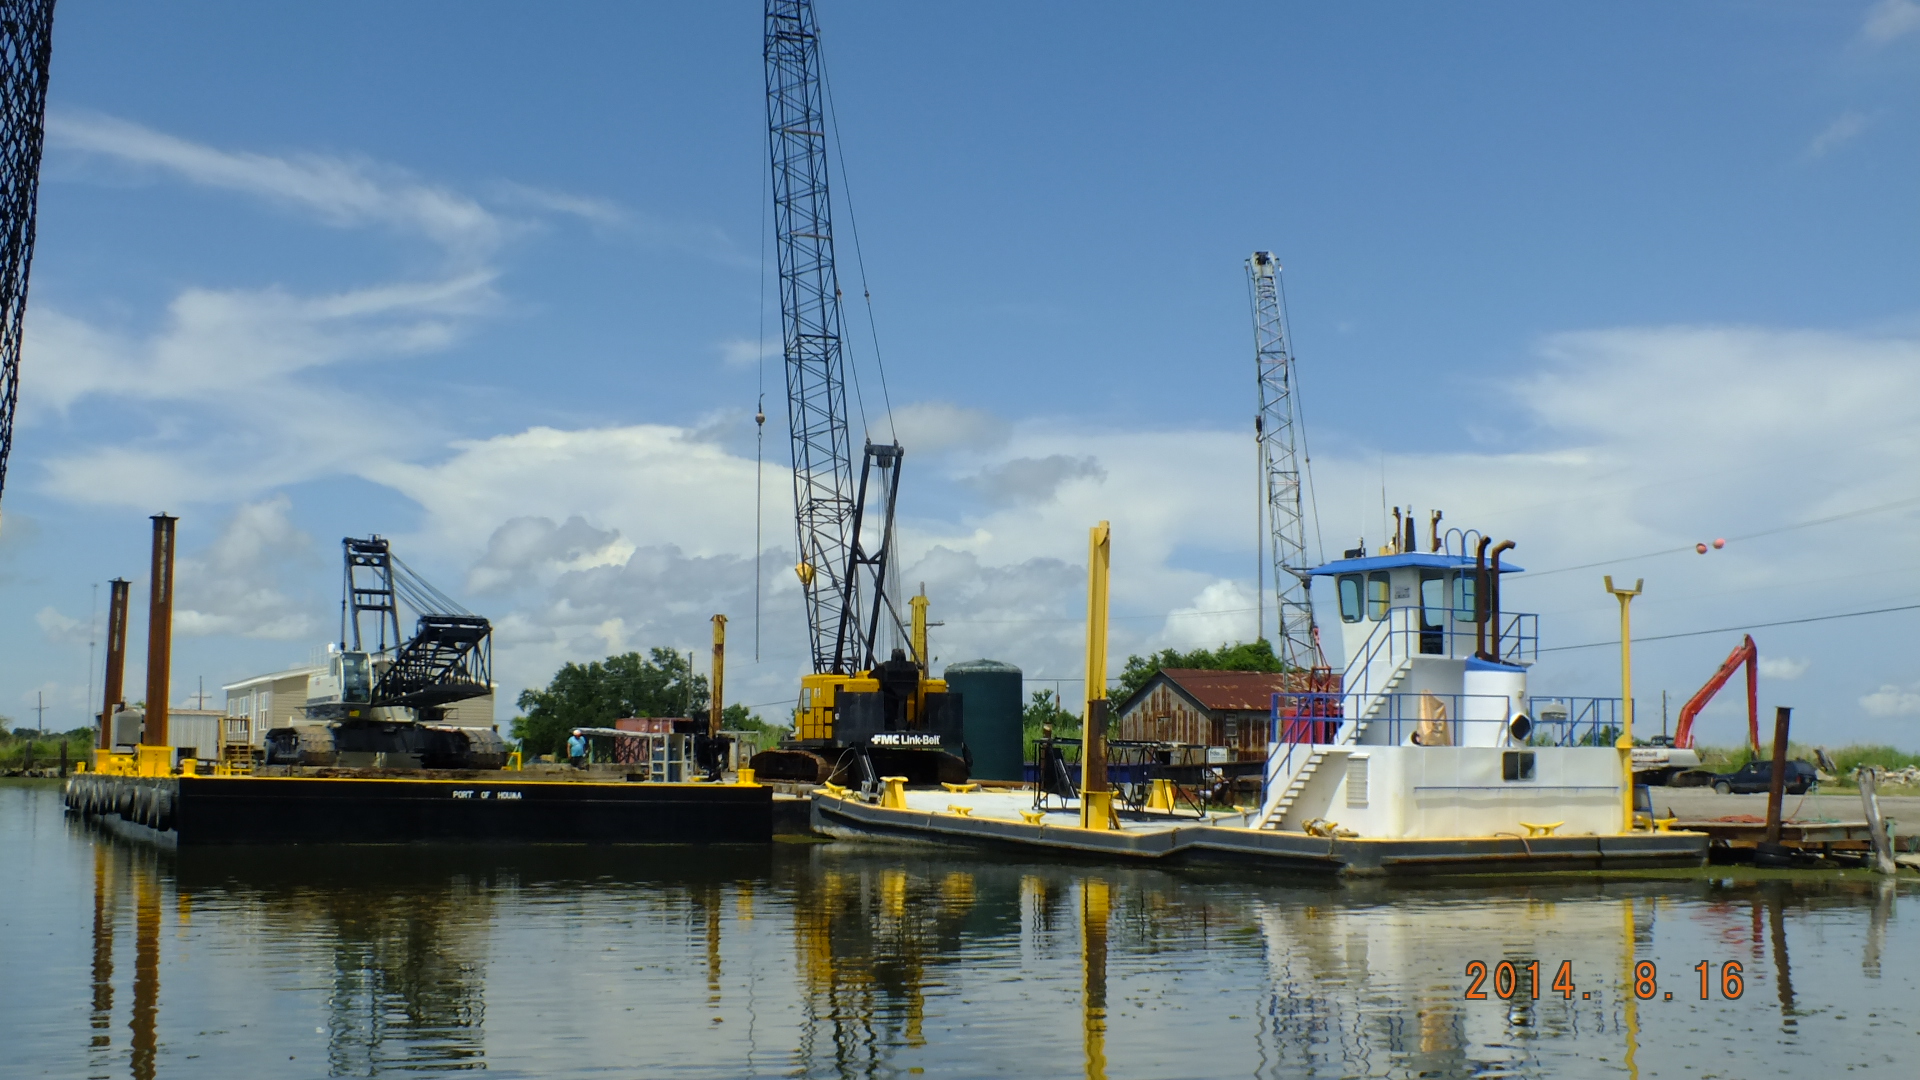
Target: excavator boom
x,y
1744,653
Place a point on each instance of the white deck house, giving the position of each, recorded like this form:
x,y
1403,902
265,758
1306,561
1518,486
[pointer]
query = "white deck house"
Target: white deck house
x,y
1432,731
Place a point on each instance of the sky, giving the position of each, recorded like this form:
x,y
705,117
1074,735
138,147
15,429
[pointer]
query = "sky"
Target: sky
x,y
1604,280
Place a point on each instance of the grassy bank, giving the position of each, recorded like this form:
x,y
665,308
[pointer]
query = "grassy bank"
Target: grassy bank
x,y
20,745
1845,759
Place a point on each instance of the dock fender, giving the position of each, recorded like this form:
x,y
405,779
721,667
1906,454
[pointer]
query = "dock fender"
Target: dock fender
x,y
163,807
123,801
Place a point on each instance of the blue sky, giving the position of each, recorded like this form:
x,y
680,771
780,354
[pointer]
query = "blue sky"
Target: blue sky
x,y
1605,280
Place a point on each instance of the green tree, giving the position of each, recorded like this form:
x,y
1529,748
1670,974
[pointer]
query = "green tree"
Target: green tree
x,y
1239,656
598,693
1045,708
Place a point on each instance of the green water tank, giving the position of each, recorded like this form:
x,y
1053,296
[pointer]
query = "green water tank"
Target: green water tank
x,y
991,708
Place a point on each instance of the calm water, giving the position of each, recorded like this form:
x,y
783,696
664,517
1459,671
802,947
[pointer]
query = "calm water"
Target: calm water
x,y
829,961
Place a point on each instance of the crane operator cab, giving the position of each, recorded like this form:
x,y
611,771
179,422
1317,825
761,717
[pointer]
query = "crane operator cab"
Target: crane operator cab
x,y
343,689
891,720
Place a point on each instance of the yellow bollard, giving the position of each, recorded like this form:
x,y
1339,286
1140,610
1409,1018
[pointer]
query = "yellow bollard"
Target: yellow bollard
x,y
893,792
152,761
189,767
744,778
1161,796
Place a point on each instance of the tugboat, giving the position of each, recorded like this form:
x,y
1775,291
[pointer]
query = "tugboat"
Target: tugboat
x,y
1428,755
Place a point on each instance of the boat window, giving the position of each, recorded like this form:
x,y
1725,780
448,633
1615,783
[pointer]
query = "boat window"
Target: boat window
x,y
1516,765
1433,600
1349,597
1463,589
1378,595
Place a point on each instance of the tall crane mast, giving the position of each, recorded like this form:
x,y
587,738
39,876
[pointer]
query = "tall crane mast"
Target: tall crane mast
x,y
824,498
858,715
1280,465
26,49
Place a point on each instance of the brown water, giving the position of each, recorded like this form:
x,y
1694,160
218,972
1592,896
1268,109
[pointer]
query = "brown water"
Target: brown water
x,y
827,961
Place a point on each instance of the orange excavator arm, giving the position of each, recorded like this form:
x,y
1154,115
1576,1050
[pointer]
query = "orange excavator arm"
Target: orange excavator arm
x,y
1744,653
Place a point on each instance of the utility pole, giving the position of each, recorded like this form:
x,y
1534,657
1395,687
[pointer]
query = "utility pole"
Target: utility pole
x,y
1280,464
40,711
93,640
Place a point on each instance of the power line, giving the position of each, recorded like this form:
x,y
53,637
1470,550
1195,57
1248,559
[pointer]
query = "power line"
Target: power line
x,y
1749,626
1895,505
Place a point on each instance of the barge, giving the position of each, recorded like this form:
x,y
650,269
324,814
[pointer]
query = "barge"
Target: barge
x,y
1426,753
497,807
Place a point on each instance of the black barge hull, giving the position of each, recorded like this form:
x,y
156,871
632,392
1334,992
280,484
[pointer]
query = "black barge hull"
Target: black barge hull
x,y
334,810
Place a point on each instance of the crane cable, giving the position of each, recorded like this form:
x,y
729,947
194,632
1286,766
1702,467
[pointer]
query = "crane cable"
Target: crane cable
x,y
859,257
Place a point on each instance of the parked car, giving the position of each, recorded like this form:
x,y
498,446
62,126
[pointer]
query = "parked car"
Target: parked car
x,y
1757,776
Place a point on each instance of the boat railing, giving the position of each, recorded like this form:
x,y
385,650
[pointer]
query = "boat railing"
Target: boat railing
x,y
1408,631
1331,719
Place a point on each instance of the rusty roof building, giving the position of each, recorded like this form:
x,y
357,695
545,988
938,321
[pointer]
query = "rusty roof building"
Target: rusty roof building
x,y
1204,708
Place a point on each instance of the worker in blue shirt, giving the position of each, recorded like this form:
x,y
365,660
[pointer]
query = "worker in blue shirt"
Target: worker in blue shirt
x,y
577,749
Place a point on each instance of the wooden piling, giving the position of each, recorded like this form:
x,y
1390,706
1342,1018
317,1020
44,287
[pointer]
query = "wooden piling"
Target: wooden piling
x,y
1776,784
1876,825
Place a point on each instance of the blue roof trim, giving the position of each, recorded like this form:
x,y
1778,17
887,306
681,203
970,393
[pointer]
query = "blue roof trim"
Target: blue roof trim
x,y
1474,663
1426,559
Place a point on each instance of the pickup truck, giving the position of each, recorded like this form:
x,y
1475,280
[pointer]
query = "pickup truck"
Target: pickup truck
x,y
1756,776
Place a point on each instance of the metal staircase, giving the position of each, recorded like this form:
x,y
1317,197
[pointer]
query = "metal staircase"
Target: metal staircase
x,y
1355,683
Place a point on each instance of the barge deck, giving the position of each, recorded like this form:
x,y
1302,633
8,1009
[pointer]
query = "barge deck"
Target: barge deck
x,y
1006,819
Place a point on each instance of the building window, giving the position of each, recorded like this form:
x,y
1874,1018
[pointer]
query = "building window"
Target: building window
x,y
1349,597
1232,727
1378,595
1516,765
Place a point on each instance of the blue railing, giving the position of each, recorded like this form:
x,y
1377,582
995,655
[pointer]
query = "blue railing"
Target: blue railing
x,y
1322,719
1515,639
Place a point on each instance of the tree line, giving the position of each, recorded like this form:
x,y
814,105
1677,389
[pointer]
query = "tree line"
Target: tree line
x,y
595,694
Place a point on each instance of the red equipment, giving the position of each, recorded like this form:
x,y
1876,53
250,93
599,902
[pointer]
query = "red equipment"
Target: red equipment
x,y
1744,653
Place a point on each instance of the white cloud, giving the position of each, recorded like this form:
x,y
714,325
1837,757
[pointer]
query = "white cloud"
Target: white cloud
x,y
1783,667
1890,19
340,192
596,211
61,627
741,353
1891,700
243,373
1031,480
233,585
939,427
529,549
1844,129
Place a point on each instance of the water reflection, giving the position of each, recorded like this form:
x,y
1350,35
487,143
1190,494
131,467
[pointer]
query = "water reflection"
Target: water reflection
x,y
844,962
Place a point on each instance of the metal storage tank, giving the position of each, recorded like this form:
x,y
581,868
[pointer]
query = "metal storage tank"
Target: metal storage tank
x,y
991,709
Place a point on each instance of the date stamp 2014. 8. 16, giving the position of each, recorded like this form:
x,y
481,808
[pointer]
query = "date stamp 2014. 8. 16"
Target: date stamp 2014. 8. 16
x,y
1507,980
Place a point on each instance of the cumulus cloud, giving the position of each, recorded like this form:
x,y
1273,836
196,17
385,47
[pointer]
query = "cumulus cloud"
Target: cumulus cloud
x,y
61,627
939,427
1783,667
741,353
234,584
1891,700
1028,480
525,550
